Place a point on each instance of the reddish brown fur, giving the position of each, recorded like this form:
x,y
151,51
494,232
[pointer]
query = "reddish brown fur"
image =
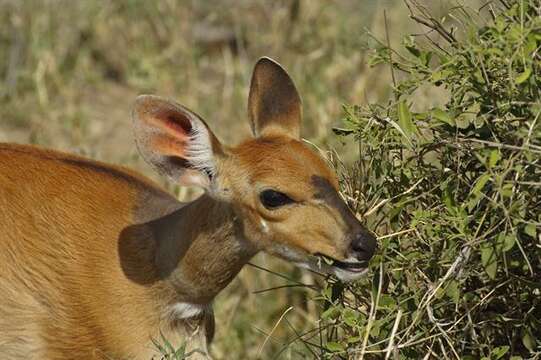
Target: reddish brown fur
x,y
72,298
273,104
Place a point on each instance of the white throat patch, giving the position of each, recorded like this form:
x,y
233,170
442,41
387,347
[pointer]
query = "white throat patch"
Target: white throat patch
x,y
182,310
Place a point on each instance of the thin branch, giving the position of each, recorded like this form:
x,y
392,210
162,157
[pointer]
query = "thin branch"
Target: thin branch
x,y
390,347
282,276
428,21
389,47
259,351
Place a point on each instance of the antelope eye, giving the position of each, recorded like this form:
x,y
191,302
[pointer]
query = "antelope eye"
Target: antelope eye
x,y
273,199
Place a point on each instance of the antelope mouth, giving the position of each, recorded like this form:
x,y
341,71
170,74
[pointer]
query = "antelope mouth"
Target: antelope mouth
x,y
357,267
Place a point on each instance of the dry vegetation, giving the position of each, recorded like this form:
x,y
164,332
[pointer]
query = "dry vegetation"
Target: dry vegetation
x,y
455,189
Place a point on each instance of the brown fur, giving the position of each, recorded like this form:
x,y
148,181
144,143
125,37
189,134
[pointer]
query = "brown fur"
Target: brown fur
x,y
66,270
274,105
95,259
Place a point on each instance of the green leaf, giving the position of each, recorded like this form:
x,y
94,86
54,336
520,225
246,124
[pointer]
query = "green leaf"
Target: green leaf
x,y
477,192
489,259
396,210
405,120
331,313
523,76
334,346
530,230
462,122
506,190
528,340
437,76
495,156
350,317
376,328
480,184
386,301
499,351
452,290
354,339
425,57
508,241
397,127
439,293
413,50
531,44
448,199
443,116
327,293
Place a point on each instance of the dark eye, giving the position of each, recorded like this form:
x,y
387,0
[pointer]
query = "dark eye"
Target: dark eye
x,y
273,199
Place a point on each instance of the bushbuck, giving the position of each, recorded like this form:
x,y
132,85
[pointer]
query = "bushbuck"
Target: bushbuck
x,y
98,262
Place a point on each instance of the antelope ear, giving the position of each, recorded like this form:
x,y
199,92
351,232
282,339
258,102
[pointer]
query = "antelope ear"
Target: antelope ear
x,y
274,105
175,141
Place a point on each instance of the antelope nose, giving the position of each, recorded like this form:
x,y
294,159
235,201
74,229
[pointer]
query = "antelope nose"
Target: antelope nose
x,y
363,245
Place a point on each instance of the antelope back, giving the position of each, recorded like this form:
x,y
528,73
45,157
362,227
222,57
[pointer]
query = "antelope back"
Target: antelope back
x,y
67,287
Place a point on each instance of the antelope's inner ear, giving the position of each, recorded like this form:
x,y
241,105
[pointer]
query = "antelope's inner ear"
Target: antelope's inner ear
x,y
274,105
175,141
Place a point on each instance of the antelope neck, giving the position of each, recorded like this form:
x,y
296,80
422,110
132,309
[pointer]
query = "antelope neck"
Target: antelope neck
x,y
200,249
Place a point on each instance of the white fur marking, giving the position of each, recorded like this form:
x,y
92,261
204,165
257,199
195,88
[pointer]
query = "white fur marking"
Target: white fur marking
x,y
183,310
345,275
264,226
199,150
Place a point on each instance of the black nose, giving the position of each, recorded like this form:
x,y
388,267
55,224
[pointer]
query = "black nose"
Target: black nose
x,y
363,245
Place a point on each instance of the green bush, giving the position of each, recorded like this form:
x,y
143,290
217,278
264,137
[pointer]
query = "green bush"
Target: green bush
x,y
456,189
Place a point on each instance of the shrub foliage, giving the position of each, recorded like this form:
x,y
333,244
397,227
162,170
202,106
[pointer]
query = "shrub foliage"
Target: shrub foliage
x,y
454,192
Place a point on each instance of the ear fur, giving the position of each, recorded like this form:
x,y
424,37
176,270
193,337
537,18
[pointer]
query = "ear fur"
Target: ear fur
x,y
175,141
274,105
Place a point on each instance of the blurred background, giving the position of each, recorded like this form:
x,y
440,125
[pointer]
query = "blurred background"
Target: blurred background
x,y
70,71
